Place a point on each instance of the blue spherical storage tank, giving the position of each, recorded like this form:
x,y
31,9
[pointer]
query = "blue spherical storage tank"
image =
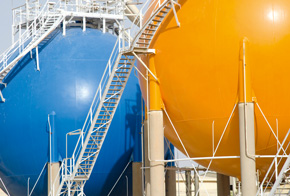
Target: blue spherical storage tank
x,y
71,68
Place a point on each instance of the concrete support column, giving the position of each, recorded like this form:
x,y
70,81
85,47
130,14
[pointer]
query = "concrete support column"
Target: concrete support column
x,y
188,182
170,181
246,124
156,135
52,170
247,149
137,179
156,153
146,159
223,185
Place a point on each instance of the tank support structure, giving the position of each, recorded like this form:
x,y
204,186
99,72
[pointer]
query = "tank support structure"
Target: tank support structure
x,y
223,185
246,125
156,135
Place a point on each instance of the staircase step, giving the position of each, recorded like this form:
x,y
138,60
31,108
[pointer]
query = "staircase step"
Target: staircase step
x,y
123,72
156,20
153,25
144,43
163,11
160,16
147,34
145,38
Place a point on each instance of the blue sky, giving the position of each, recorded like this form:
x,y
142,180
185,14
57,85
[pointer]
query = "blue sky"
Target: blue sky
x,y
6,16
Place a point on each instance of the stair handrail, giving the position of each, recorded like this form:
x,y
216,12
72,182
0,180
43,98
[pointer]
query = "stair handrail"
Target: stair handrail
x,y
25,11
261,190
101,7
144,9
25,36
153,14
96,101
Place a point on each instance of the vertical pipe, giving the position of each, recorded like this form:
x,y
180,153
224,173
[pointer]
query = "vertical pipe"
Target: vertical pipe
x,y
156,135
223,185
84,24
188,182
28,186
196,184
104,25
246,126
37,59
64,27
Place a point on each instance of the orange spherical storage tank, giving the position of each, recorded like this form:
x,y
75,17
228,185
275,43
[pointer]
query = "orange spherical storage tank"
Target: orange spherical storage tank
x,y
197,65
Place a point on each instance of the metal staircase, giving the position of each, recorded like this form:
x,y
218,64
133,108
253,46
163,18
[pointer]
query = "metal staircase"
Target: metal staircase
x,y
46,22
96,126
144,37
276,180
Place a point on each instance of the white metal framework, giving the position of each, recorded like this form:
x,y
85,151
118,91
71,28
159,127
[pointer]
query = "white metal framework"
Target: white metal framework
x,y
33,23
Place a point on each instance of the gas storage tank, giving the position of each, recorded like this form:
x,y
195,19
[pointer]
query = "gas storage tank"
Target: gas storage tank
x,y
71,68
197,65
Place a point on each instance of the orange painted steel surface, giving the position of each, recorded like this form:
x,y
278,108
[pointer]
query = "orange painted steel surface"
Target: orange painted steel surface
x,y
197,65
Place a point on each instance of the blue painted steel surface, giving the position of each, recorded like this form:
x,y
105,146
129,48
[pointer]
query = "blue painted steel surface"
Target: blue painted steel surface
x,y
71,68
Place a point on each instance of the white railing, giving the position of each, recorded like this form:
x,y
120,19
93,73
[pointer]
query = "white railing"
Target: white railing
x,y
35,17
148,8
27,36
26,12
94,6
273,171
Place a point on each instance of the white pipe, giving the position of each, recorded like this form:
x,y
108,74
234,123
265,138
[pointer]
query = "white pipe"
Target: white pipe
x,y
4,187
119,178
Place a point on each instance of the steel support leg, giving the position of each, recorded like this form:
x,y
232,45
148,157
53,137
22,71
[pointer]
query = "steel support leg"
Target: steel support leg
x,y
188,182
